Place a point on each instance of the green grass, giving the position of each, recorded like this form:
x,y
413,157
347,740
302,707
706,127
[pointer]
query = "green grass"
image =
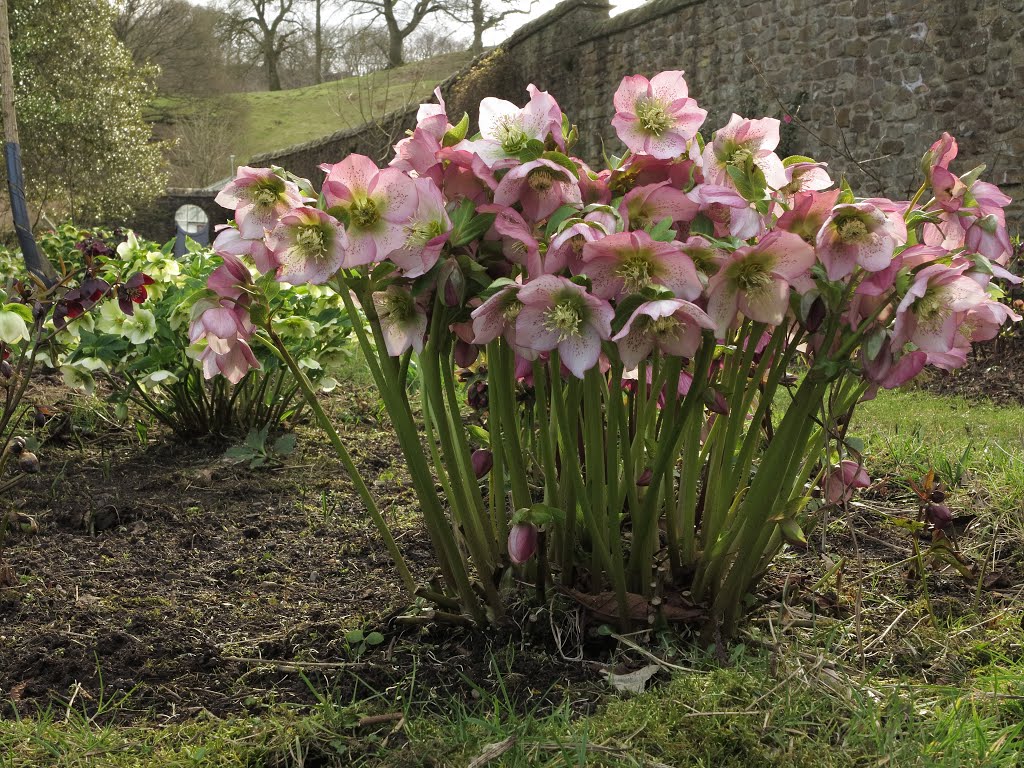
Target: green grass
x,y
948,696
275,120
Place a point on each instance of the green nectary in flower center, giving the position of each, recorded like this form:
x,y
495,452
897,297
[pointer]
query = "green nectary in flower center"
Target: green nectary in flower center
x,y
566,317
665,326
513,139
752,274
422,232
739,157
852,230
637,271
310,239
511,310
541,179
264,195
932,309
399,306
653,116
363,214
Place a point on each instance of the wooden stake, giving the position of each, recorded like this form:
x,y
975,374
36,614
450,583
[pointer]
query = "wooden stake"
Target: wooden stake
x,y
36,262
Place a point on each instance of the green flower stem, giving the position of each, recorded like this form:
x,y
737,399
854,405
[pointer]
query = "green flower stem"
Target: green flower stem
x,y
667,451
546,437
689,478
594,452
772,483
501,391
445,547
467,507
346,460
569,456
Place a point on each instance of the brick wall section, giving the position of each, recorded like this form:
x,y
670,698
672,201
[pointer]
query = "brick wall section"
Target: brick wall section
x,y
878,81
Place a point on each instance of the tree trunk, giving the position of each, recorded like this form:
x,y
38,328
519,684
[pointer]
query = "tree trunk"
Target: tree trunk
x,y
318,44
478,28
395,57
270,63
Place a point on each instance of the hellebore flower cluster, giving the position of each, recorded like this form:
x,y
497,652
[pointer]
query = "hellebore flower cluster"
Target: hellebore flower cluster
x,y
627,329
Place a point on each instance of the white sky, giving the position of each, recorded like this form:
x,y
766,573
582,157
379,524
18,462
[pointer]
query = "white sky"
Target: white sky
x,y
514,22
493,37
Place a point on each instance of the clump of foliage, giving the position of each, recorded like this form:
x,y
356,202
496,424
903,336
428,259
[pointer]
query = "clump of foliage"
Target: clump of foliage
x,y
87,151
666,354
138,347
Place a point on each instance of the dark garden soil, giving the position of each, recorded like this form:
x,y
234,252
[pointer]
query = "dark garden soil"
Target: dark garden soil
x,y
164,571
161,570
994,371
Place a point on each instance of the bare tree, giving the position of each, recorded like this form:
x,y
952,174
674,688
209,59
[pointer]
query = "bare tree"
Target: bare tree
x,y
485,15
401,18
270,26
179,38
434,41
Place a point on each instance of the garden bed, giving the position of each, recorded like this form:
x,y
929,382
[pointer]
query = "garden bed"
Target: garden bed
x,y
163,571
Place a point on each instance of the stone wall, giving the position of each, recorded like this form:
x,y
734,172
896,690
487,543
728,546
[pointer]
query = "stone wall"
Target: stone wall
x,y
156,221
869,84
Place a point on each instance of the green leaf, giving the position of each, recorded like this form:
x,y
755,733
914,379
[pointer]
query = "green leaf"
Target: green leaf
x,y
285,444
794,159
702,225
793,533
562,160
662,231
374,638
846,196
482,435
457,132
533,151
556,219
473,229
354,636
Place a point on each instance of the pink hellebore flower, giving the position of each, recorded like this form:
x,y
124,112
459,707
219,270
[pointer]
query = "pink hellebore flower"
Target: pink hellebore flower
x,y
377,203
809,211
226,328
628,262
648,205
706,258
888,371
403,320
655,117
259,197
505,129
426,231
557,313
838,484
742,141
756,279
672,325
522,542
730,213
933,310
518,243
566,248
230,241
230,279
540,186
939,155
805,177
856,234
309,245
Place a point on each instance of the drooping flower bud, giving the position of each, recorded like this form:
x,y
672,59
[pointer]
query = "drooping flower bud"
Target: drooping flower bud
x,y
645,478
482,460
838,484
465,353
452,284
938,515
522,542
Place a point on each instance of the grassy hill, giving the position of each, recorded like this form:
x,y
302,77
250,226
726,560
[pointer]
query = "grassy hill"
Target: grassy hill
x,y
208,132
279,119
